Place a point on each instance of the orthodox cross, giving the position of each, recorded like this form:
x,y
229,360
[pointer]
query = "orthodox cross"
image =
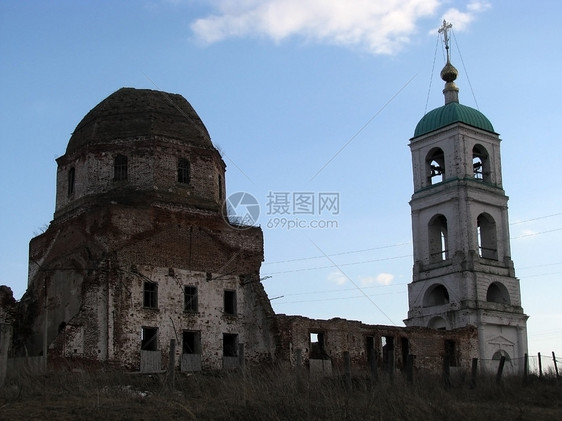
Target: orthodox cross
x,y
445,31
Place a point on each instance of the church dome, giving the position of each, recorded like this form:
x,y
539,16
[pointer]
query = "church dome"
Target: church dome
x,y
130,113
450,113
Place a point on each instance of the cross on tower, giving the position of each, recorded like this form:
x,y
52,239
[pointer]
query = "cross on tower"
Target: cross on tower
x,y
445,31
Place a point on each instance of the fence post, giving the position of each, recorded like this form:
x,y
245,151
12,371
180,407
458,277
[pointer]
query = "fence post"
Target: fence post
x,y
242,363
172,364
5,340
347,366
298,368
540,366
555,365
446,371
525,368
474,373
500,370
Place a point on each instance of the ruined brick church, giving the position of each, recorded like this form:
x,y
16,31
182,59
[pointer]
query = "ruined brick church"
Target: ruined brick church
x,y
139,252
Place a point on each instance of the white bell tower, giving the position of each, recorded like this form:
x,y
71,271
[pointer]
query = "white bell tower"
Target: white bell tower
x,y
463,273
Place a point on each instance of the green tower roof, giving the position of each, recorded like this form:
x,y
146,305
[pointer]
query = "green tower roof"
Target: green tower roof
x,y
450,113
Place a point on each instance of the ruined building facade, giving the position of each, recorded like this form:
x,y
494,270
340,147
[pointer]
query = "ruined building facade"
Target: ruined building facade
x,y
463,273
138,252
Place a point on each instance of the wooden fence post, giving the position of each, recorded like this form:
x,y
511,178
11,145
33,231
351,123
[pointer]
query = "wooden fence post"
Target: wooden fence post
x,y
5,340
525,368
540,366
298,368
500,370
446,371
474,373
242,363
555,365
172,364
347,366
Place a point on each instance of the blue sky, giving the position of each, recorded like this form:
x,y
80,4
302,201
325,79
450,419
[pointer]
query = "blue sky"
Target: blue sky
x,y
302,96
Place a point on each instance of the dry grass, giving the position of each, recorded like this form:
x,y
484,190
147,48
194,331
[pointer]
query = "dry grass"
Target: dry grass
x,y
272,394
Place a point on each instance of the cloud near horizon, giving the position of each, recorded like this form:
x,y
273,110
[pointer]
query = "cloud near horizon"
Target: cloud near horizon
x,y
379,27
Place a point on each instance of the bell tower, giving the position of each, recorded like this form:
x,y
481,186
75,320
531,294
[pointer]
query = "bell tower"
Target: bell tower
x,y
463,273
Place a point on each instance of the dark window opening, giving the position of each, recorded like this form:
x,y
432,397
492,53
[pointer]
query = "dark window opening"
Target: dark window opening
x,y
71,179
191,342
451,353
370,347
480,163
190,299
120,168
436,295
405,345
317,345
487,237
498,293
150,295
230,302
438,239
220,187
149,339
435,167
183,171
230,345
387,345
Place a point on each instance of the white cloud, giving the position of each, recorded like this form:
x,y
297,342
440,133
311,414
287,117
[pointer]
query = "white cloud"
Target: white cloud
x,y
461,20
380,27
337,277
380,279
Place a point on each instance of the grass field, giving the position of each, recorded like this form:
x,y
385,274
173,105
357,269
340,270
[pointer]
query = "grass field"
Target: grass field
x,y
273,394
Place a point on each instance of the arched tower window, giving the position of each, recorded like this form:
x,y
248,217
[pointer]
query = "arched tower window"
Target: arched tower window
x,y
487,237
120,164
435,166
71,180
436,295
497,293
480,163
183,171
438,239
501,353
438,323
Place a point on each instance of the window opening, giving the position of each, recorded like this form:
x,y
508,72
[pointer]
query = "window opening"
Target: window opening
x,y
387,348
370,347
71,177
438,239
435,167
498,293
220,187
405,345
190,299
230,345
191,342
451,353
120,168
487,240
183,171
149,339
480,163
150,295
437,323
436,295
230,302
317,345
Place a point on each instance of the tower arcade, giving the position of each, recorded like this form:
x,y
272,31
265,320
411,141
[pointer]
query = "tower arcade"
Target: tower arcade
x,y
463,273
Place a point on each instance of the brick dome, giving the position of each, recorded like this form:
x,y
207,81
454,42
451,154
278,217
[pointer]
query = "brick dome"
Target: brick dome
x,y
129,112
